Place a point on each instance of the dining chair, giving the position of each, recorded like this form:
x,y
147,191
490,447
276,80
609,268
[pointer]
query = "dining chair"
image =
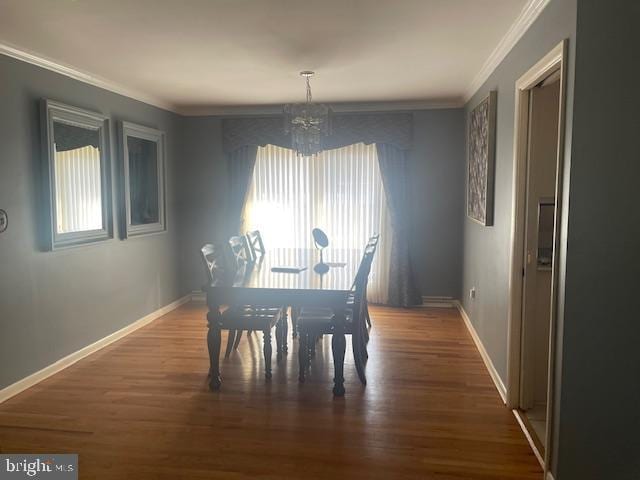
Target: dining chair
x,y
237,318
240,250
247,249
258,250
372,247
320,241
373,244
314,322
241,256
256,245
214,264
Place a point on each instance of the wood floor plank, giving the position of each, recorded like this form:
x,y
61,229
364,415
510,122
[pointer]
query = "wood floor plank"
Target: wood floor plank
x,y
140,408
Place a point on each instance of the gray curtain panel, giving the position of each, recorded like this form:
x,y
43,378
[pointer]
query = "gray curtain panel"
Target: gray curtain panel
x,y
393,169
240,163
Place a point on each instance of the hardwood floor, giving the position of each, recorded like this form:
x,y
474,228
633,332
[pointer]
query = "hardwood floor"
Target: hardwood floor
x,y
140,408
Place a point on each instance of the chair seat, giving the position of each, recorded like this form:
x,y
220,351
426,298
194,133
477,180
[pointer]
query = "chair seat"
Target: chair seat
x,y
320,320
251,317
259,308
316,312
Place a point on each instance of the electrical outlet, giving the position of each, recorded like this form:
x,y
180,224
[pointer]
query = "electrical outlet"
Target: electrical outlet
x,y
472,293
4,221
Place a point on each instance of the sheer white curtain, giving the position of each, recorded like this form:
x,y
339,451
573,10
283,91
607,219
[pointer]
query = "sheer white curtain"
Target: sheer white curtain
x,y
339,191
78,190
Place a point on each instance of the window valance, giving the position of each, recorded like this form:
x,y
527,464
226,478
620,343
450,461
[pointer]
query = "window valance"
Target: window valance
x,y
70,137
384,128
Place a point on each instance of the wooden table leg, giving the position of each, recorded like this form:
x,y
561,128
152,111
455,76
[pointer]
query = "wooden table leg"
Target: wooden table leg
x,y
236,342
231,342
338,346
213,342
302,356
285,334
279,333
267,352
294,323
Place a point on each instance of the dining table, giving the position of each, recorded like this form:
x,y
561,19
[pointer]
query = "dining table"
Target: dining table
x,y
257,284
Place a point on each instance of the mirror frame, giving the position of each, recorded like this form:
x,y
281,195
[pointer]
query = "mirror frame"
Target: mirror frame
x,y
52,112
128,129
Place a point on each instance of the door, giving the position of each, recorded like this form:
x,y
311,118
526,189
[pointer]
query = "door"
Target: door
x,y
538,250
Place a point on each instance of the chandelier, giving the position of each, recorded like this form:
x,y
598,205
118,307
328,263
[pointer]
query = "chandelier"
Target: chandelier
x,y
307,122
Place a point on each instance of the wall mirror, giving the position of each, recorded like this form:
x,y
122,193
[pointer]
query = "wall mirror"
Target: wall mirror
x,y
143,177
75,144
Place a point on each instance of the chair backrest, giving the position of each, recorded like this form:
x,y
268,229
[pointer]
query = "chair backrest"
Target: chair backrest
x,y
360,284
372,243
213,261
373,240
365,267
370,247
256,245
241,254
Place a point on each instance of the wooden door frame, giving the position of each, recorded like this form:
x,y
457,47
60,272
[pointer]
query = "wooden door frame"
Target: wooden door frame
x,y
555,59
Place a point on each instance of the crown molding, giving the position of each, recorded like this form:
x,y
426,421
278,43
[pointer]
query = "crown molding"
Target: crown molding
x,y
230,110
527,16
350,107
71,72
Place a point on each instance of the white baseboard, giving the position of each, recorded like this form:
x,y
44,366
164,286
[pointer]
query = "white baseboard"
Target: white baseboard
x,y
520,419
438,302
27,382
483,353
198,296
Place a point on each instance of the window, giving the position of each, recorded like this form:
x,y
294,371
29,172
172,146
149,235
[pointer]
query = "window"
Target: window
x,y
339,191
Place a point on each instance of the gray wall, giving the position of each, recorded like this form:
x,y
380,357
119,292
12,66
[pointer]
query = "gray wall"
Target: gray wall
x,y
54,303
202,194
436,182
486,249
600,420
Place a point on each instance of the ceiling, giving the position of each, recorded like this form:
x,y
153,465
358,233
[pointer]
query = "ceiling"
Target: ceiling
x,y
212,55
